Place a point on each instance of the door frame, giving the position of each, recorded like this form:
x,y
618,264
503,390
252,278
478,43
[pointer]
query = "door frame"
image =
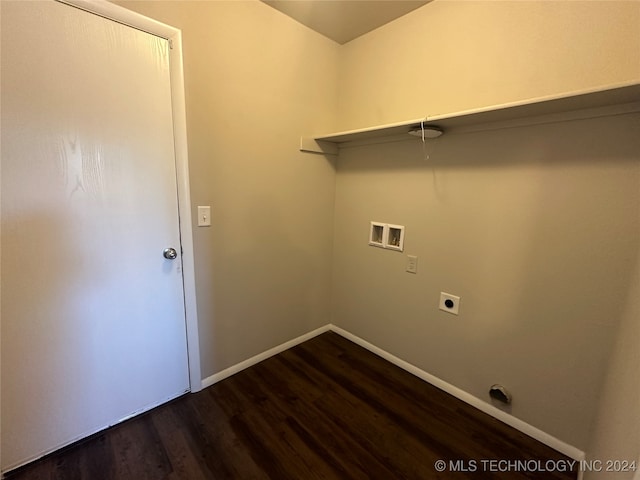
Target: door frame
x,y
174,36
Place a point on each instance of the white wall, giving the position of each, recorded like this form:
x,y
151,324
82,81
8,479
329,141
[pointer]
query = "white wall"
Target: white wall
x,y
254,80
536,228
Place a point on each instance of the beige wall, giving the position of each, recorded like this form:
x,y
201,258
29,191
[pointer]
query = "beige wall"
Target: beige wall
x,y
254,80
450,56
616,434
536,228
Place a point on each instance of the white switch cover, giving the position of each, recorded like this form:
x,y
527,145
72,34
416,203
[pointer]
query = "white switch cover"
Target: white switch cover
x,y
412,264
204,216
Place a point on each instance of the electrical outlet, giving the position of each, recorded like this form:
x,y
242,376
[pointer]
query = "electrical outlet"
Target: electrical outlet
x,y
412,264
449,303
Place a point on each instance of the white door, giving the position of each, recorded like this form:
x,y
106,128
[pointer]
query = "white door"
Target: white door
x,y
93,322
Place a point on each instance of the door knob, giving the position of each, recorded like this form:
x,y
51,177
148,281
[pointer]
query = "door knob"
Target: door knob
x,y
170,253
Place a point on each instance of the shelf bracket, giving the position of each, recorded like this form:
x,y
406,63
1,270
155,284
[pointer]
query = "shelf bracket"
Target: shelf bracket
x,y
309,144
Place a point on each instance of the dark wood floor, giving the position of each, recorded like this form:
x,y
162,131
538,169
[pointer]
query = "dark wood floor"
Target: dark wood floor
x,y
326,409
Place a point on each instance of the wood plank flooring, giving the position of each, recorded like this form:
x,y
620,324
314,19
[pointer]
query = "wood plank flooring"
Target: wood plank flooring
x,y
325,409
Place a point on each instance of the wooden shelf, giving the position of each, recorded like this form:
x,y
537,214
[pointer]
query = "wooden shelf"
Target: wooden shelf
x,y
586,104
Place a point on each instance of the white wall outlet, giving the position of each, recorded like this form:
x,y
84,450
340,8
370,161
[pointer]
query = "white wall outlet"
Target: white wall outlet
x,y
204,216
449,303
412,264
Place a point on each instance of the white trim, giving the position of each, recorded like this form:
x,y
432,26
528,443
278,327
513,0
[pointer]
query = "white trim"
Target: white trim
x,y
312,145
122,15
140,22
616,99
184,206
524,427
520,425
217,377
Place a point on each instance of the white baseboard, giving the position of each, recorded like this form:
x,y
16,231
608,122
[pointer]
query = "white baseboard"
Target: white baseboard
x,y
543,437
216,377
481,405
520,425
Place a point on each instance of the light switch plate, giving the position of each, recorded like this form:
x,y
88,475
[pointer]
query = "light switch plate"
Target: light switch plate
x,y
412,264
204,216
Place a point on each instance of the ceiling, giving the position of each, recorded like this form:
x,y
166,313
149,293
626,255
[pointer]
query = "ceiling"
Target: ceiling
x,y
344,20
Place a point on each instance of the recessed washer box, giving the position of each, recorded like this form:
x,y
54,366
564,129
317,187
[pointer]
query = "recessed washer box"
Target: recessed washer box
x,y
395,237
377,234
385,235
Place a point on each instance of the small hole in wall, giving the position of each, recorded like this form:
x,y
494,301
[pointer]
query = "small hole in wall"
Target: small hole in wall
x,y
499,393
